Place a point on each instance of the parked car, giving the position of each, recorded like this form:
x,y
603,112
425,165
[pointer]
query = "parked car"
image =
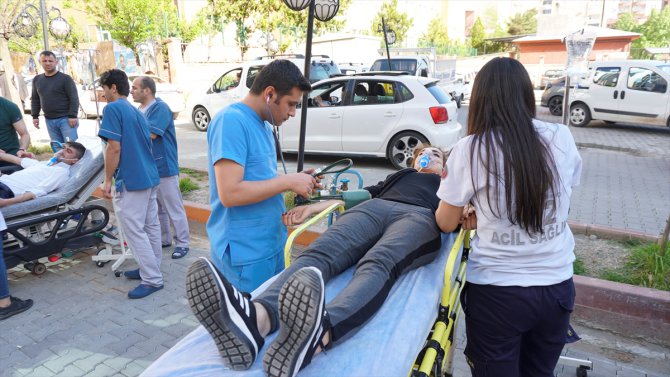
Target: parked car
x,y
351,68
631,91
550,75
166,91
413,65
552,97
227,89
375,114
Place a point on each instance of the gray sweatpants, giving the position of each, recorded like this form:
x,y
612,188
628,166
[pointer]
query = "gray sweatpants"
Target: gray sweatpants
x,y
383,239
137,212
171,209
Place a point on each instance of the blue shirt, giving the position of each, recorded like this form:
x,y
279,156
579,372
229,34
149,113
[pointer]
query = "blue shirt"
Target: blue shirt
x,y
122,122
255,231
161,123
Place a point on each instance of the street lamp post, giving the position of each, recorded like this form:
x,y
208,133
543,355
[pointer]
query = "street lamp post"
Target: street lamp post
x,y
389,38
25,25
324,10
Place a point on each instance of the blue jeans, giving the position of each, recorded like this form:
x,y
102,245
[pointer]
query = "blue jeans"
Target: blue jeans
x,y
59,130
4,283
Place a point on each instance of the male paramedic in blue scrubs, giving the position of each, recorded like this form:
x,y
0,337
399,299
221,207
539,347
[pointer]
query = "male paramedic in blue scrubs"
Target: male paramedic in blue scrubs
x,y
164,143
245,227
130,168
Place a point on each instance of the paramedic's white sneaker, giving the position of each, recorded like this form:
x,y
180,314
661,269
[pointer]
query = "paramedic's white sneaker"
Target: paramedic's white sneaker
x,y
226,313
303,323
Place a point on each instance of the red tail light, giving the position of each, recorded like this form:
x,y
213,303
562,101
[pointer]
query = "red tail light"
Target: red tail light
x,y
439,114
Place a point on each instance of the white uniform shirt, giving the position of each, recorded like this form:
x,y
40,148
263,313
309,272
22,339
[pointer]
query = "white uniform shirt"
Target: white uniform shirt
x,y
36,177
3,225
504,254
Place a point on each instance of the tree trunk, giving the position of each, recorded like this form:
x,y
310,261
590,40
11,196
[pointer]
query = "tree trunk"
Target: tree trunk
x,y
663,242
13,94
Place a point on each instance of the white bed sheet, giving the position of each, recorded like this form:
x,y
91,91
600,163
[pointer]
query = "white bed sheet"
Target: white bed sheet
x,y
385,346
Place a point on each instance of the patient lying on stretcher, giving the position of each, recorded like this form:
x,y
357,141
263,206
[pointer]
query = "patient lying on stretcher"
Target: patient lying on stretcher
x,y
37,178
384,237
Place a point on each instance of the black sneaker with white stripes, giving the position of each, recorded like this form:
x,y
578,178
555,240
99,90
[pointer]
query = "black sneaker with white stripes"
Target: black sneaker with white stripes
x,y
303,323
226,313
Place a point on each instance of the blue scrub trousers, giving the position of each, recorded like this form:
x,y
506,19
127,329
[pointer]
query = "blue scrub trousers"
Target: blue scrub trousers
x,y
248,277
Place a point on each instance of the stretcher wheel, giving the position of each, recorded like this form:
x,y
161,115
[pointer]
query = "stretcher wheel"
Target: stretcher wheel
x,y
117,273
39,269
102,251
582,372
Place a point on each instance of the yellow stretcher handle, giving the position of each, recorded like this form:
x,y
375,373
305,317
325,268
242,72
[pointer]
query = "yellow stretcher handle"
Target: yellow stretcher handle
x,y
297,231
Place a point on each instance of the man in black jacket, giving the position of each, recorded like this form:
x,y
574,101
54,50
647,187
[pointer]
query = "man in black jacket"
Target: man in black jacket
x,y
55,93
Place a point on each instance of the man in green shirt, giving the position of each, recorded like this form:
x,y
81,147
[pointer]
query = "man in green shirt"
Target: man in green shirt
x,y
14,136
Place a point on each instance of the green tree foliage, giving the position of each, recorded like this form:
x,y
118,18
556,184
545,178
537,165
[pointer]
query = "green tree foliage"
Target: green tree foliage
x,y
656,30
436,35
241,13
523,23
131,22
477,35
395,20
190,30
625,22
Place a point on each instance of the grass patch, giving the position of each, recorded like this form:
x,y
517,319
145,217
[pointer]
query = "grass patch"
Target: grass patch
x,y
578,267
187,185
38,149
197,174
646,266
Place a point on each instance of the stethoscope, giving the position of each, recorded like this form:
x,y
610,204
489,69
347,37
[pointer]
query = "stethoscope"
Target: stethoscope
x,y
275,134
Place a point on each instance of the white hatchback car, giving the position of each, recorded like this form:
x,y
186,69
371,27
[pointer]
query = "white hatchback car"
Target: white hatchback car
x,y
631,91
234,84
378,114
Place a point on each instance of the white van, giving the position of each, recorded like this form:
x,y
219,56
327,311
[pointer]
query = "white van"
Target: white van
x,y
628,91
234,84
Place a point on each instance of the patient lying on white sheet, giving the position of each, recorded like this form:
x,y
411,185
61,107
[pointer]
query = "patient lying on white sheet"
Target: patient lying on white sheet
x,y
37,178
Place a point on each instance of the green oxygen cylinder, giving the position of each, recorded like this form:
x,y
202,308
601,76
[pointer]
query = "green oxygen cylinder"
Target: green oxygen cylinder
x,y
354,197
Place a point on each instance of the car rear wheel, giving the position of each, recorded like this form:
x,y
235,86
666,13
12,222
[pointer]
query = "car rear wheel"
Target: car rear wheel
x,y
201,118
555,105
580,115
401,148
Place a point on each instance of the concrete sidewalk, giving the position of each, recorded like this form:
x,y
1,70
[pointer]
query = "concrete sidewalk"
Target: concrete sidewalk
x,y
82,324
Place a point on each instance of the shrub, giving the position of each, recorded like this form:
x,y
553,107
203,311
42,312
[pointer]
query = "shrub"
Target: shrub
x,y
187,185
646,266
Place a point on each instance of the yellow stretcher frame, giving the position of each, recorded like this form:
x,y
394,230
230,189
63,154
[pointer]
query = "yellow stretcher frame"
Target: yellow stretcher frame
x,y
303,227
436,358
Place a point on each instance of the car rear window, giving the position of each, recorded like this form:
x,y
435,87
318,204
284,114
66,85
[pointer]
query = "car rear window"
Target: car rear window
x,y
402,65
440,95
321,71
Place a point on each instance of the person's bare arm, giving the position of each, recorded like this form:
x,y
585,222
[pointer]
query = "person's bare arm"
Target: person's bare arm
x,y
112,157
10,158
24,138
17,199
234,191
448,217
299,214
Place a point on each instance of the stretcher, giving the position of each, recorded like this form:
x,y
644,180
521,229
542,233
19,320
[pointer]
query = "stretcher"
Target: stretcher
x,y
411,334
65,218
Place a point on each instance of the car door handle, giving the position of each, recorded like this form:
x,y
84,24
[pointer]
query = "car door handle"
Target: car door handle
x,y
623,94
389,115
334,116
616,94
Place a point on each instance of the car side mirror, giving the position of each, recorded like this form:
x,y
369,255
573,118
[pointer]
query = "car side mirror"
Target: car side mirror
x,y
423,72
334,99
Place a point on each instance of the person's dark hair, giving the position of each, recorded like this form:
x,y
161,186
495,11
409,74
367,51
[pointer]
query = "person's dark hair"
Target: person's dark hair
x,y
80,148
282,75
116,77
500,119
418,150
148,82
48,53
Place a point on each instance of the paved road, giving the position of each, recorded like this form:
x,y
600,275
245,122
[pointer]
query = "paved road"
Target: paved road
x,y
625,179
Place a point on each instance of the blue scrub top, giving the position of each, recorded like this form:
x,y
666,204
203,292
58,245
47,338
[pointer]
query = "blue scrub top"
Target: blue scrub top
x,y
122,122
255,231
161,123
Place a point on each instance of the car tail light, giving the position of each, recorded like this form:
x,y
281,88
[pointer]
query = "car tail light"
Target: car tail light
x,y
439,114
